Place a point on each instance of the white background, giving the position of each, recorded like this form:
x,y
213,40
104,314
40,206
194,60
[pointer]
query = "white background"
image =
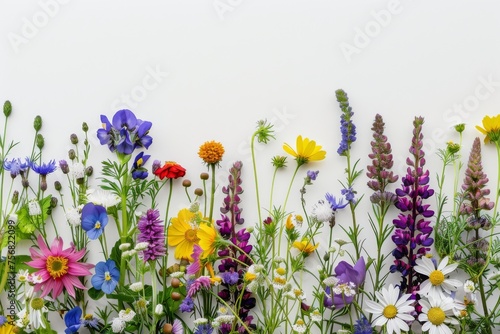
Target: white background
x,y
221,65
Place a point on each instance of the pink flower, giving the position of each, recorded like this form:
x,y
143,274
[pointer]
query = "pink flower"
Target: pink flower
x,y
58,268
198,284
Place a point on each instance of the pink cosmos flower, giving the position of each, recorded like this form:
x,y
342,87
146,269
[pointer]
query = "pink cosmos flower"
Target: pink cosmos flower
x,y
58,268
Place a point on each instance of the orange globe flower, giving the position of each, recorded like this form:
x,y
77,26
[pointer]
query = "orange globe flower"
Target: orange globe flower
x,y
306,150
183,234
211,152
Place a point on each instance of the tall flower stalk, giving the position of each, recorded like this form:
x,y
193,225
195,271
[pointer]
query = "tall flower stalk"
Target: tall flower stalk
x,y
412,234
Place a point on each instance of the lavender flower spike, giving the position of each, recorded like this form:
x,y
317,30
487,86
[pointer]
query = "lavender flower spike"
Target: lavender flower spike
x,y
347,128
151,231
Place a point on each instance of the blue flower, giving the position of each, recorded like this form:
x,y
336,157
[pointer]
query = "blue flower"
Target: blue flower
x,y
125,133
333,202
3,320
72,320
230,278
312,174
15,166
204,329
187,305
106,276
138,171
94,219
44,168
349,195
363,326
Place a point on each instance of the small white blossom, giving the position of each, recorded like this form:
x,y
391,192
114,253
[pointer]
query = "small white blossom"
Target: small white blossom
x,y
118,325
200,321
136,287
469,286
34,208
316,316
322,211
330,281
140,246
77,170
225,319
126,315
299,326
74,216
177,274
102,197
124,246
159,309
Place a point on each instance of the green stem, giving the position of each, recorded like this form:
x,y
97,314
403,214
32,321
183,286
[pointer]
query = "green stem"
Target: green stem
x,y
252,144
212,194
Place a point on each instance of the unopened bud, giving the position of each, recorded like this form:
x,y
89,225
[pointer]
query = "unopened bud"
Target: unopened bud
x,y
186,183
37,123
15,197
7,108
72,154
57,185
53,202
85,127
204,176
63,165
40,141
74,139
89,171
198,192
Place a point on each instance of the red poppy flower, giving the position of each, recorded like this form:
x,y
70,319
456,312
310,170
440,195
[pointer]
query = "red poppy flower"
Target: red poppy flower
x,y
171,170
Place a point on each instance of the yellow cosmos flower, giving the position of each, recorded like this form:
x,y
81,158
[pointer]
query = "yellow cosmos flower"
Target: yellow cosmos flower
x,y
305,246
183,234
491,128
208,239
306,150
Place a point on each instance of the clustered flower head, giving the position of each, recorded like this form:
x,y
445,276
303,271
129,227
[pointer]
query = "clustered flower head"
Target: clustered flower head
x,y
347,127
153,232
211,152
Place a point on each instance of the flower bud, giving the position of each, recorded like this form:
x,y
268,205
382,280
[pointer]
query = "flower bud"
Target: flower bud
x,y
57,185
186,183
89,171
15,197
40,141
37,123
74,139
168,329
204,176
159,309
460,127
63,165
72,154
175,283
85,127
53,202
198,192
175,296
7,108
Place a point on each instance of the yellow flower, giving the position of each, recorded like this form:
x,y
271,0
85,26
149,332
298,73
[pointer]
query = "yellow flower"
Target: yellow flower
x,y
491,128
211,152
183,234
305,246
8,328
306,151
208,238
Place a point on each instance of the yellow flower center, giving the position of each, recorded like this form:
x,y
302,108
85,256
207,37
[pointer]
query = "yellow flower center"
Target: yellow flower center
x,y
249,277
107,276
281,271
436,316
97,225
191,235
279,280
436,277
37,303
139,162
57,266
390,311
88,316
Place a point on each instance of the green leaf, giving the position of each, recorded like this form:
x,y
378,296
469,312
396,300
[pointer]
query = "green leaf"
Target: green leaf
x,y
95,294
20,263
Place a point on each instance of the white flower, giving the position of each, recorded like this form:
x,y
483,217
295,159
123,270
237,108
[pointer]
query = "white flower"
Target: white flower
x,y
136,287
300,326
330,281
124,246
177,274
102,197
140,246
322,211
225,319
316,316
22,275
437,285
34,208
391,310
118,325
279,282
200,321
345,289
36,313
469,286
159,309
126,315
78,170
74,216
436,315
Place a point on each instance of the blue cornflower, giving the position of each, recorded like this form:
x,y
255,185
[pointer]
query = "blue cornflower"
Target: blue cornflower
x,y
15,166
230,278
333,202
187,305
363,326
204,329
349,195
72,319
138,171
106,276
94,219
44,168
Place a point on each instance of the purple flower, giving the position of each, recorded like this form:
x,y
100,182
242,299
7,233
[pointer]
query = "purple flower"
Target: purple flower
x,y
72,319
152,232
106,276
204,329
346,273
363,326
187,305
125,133
15,166
197,285
94,220
230,278
195,267
333,202
347,128
312,175
138,171
43,169
348,279
349,195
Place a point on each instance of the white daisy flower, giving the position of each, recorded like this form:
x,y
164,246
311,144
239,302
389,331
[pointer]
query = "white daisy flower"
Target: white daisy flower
x,y
436,315
300,326
126,315
316,316
437,285
391,311
102,197
36,315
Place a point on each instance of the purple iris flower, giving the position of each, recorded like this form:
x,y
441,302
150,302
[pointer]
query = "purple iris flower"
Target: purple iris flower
x,y
15,166
106,276
94,219
125,133
138,170
72,319
346,274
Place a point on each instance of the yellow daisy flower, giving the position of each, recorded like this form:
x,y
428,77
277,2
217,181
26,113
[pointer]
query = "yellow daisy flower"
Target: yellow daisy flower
x,y
491,128
183,234
306,150
208,238
305,246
